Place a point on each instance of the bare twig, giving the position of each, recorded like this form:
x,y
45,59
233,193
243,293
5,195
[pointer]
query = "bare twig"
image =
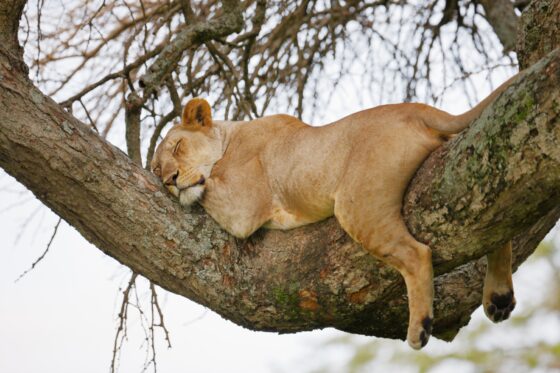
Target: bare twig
x,y
231,21
133,110
155,307
121,333
42,256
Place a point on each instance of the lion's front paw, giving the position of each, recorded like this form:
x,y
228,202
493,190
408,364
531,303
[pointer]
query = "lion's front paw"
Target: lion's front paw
x,y
419,334
499,306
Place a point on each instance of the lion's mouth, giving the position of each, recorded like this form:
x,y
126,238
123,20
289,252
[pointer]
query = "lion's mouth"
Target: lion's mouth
x,y
192,194
189,194
200,181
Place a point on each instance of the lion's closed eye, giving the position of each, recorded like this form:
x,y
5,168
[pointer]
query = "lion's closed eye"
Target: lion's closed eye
x,y
176,148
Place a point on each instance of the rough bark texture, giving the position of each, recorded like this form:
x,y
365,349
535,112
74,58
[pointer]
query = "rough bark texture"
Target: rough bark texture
x,y
497,180
539,33
501,16
133,112
10,14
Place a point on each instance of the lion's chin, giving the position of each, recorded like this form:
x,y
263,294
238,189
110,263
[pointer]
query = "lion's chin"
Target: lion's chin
x,y
191,195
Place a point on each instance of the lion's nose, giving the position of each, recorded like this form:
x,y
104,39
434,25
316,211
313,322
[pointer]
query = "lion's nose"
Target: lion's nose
x,y
172,179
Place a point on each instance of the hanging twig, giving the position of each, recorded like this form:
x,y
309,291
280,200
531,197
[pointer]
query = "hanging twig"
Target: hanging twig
x,y
42,256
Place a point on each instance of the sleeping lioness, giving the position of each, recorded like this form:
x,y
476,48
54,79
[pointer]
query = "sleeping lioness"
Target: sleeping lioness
x,y
279,173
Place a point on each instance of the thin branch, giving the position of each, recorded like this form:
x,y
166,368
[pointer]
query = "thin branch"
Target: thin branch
x,y
91,122
231,21
188,12
119,74
161,324
155,307
133,111
157,132
121,333
42,256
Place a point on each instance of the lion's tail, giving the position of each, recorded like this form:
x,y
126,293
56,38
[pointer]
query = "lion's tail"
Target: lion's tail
x,y
462,121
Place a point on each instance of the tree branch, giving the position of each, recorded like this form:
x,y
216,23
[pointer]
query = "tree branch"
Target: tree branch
x,y
133,111
497,180
501,16
535,40
314,276
230,21
10,14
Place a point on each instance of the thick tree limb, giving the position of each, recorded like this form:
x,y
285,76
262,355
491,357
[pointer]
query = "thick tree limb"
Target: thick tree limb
x,y
497,180
10,14
539,31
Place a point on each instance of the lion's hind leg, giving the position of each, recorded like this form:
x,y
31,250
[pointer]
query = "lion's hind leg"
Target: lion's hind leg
x,y
391,242
498,299
414,261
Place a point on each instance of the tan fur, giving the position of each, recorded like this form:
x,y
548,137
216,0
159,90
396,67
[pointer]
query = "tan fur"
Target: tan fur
x,y
497,297
279,173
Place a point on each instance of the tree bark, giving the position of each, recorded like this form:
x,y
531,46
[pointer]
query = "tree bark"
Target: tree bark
x,y
500,14
539,32
497,180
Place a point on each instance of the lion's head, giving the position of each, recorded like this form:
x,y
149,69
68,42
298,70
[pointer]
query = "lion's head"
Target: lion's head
x,y
185,157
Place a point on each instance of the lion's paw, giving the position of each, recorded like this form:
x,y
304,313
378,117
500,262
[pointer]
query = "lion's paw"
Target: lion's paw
x,y
499,306
418,335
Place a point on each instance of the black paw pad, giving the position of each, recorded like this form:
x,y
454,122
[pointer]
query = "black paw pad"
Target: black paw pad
x,y
425,334
423,338
502,301
427,324
501,306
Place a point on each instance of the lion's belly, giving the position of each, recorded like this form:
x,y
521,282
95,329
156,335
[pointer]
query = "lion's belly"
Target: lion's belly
x,y
296,210
282,219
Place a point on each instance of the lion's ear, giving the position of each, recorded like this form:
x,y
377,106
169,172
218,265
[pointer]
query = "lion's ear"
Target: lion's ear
x,y
197,114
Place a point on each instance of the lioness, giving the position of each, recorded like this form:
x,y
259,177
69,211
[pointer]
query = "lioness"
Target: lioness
x,y
279,173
